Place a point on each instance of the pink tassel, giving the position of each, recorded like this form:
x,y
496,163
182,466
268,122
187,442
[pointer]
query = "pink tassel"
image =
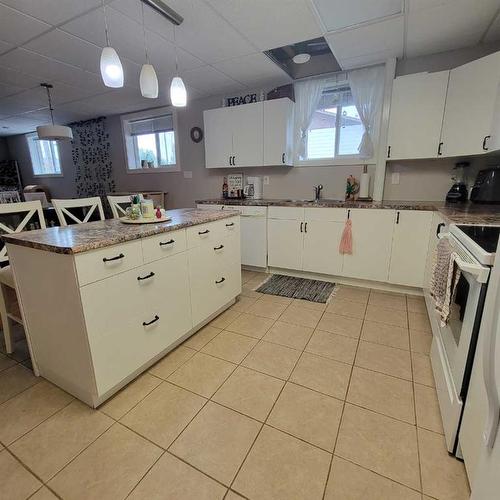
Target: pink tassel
x,y
346,241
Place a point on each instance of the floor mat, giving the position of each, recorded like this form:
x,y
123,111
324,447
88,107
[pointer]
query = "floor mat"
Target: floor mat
x,y
297,288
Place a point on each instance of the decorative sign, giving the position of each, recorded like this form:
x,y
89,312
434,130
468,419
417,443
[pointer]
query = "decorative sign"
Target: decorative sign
x,y
243,99
235,185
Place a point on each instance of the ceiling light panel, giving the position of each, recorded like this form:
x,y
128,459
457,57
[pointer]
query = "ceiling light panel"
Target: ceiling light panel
x,y
338,14
270,24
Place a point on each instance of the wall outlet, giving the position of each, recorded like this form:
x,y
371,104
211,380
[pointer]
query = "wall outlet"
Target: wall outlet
x,y
395,178
266,180
188,174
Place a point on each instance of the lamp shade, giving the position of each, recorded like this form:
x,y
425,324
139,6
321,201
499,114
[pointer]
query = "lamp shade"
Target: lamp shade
x,y
178,94
148,82
54,133
111,68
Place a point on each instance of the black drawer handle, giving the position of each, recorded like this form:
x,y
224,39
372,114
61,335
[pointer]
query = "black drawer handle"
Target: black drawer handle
x,y
438,229
220,247
204,232
118,257
440,152
169,242
154,320
283,158
220,281
389,152
485,148
230,224
150,275
397,218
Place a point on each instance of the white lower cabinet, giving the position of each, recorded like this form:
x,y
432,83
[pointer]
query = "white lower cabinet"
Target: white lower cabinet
x,y
371,244
285,239
409,247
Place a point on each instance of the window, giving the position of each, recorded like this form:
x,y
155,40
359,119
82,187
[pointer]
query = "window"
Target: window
x,y
44,156
150,142
336,129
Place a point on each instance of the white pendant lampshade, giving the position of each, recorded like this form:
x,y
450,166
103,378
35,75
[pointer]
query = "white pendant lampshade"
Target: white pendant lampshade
x,y
148,82
111,68
54,133
178,94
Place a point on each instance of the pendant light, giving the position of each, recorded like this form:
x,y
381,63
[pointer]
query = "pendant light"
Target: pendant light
x,y
178,94
148,81
53,132
111,66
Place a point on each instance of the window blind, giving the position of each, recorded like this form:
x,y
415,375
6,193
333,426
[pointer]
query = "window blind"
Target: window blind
x,y
152,125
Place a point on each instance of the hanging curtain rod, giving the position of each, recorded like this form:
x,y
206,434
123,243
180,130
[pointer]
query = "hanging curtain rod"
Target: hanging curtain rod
x,y
163,9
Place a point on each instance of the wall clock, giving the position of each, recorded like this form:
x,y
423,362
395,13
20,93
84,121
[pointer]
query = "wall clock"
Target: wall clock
x,y
196,134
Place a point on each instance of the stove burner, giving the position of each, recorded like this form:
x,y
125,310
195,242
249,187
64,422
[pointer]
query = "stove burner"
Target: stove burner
x,y
485,236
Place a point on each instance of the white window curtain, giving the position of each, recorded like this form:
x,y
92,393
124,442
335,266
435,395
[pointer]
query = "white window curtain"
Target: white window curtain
x,y
367,88
307,96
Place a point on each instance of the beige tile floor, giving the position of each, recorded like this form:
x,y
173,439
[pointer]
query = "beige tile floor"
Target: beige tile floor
x,y
275,399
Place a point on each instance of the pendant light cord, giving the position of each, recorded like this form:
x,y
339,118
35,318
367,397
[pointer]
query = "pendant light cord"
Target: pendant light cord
x,y
106,31
176,57
144,33
51,109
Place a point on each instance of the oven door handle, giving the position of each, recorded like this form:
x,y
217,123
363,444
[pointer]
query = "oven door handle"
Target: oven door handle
x,y
489,376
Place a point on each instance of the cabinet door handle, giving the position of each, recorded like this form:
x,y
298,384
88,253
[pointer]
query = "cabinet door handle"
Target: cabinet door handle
x,y
150,275
230,224
154,320
204,232
440,149
301,227
110,259
230,158
220,247
283,158
388,151
220,281
305,227
438,229
348,214
485,148
234,161
397,217
169,242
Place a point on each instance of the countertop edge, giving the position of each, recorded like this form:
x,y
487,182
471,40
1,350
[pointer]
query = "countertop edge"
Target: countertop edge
x,y
144,231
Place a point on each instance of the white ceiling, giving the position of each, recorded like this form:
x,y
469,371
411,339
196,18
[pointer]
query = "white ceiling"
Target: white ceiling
x,y
219,46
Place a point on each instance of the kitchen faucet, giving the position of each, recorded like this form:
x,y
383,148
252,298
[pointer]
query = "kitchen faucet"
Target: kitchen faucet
x,y
317,192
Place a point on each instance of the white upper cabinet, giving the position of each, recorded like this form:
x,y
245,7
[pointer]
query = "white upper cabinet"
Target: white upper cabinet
x,y
278,132
371,244
218,138
409,247
249,135
417,108
248,140
470,103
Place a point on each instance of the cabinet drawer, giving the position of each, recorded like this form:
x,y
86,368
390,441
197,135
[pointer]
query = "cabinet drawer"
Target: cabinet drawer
x,y
203,234
163,245
290,213
254,211
326,214
129,321
99,264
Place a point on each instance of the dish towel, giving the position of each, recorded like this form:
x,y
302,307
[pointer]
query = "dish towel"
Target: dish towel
x,y
346,240
445,276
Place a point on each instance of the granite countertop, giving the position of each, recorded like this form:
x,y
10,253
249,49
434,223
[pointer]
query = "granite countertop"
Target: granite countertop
x,y
455,213
79,238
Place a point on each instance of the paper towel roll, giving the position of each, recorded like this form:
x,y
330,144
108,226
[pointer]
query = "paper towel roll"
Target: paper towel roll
x,y
364,185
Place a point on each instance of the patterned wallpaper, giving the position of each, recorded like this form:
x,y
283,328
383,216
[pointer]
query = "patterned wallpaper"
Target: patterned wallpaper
x,y
91,158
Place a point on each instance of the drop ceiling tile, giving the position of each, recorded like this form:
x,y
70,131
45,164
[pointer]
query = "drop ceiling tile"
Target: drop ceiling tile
x,y
208,80
41,68
16,27
270,24
440,25
380,37
365,60
493,33
53,11
16,78
7,90
4,46
338,14
90,27
205,34
67,48
253,69
18,125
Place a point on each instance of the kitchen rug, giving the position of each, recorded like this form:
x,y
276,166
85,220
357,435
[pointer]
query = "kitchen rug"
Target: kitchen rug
x,y
297,288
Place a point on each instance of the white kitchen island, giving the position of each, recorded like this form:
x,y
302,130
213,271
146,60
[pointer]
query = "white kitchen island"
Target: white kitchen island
x,y
103,301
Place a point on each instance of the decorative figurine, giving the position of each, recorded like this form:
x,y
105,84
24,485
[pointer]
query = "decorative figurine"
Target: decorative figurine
x,y
158,212
352,189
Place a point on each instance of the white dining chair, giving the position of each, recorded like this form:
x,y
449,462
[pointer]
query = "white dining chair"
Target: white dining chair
x,y
91,204
116,203
18,215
